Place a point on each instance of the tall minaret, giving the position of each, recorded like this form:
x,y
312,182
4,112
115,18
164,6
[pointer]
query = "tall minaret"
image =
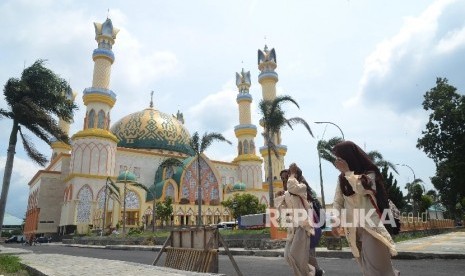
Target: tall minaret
x,y
94,147
250,165
59,146
268,79
93,154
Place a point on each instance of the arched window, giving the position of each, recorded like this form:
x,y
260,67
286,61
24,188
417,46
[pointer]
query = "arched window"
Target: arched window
x,y
169,191
239,147
169,172
246,147
101,119
91,119
252,147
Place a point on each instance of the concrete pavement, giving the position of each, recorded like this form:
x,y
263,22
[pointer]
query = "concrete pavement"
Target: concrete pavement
x,y
443,246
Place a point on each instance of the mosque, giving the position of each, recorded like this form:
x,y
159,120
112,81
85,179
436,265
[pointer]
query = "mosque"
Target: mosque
x,y
69,195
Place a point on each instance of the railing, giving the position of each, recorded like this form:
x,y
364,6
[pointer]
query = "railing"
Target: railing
x,y
410,223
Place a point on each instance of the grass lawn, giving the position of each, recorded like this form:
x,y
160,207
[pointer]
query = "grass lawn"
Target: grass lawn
x,y
10,265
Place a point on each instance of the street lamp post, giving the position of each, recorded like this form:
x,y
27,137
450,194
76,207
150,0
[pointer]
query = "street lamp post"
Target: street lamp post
x,y
331,123
319,162
405,165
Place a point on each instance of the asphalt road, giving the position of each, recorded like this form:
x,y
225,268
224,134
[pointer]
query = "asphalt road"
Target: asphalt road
x,y
257,266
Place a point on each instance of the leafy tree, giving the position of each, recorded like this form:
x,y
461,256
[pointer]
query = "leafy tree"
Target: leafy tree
x,y
393,191
425,202
164,209
33,101
273,119
199,146
243,204
417,193
443,140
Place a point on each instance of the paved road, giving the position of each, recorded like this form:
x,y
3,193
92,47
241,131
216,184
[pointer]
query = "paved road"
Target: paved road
x,y
267,266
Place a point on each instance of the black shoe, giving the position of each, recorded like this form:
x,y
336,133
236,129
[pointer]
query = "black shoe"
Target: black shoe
x,y
319,272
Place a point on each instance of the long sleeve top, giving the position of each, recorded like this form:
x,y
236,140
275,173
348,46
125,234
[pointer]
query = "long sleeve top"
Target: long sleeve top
x,y
295,198
358,210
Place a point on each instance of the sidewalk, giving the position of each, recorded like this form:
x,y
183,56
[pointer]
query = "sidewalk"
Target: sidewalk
x,y
444,246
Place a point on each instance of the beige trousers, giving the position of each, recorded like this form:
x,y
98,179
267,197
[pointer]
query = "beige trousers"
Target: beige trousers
x,y
296,254
375,259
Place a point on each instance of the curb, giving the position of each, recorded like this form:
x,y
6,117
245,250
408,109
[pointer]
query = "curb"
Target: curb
x,y
340,254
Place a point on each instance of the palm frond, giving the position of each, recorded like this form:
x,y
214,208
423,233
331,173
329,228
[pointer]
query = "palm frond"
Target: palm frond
x,y
195,142
298,120
387,164
325,148
114,189
375,155
31,151
171,162
6,114
276,103
209,138
141,186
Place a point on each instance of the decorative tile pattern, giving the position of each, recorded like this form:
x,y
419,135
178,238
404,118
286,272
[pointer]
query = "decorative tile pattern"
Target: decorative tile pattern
x,y
152,129
132,200
84,205
208,180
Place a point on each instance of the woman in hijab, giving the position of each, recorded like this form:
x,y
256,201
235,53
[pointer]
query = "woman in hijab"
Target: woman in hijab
x,y
360,192
293,202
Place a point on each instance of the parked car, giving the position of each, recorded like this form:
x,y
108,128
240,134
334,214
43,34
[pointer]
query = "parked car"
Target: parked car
x,y
19,239
43,240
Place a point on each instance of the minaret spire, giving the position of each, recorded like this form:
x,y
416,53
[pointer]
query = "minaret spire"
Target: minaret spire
x,y
245,133
268,78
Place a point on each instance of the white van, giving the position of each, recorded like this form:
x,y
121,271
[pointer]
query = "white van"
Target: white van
x,y
226,225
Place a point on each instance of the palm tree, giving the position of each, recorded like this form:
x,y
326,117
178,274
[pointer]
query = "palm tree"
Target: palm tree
x,y
273,119
379,161
199,146
325,152
33,100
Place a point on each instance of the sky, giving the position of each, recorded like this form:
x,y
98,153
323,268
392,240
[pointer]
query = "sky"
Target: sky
x,y
361,64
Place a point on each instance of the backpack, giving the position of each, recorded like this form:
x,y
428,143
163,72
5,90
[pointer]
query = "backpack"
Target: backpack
x,y
316,204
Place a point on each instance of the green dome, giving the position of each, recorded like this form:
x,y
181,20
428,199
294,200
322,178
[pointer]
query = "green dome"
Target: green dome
x,y
126,176
152,129
239,186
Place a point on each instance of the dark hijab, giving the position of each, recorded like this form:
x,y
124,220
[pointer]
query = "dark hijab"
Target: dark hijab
x,y
361,164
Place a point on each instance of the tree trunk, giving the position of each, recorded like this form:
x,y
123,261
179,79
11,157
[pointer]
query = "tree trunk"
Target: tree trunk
x,y
8,170
199,192
270,177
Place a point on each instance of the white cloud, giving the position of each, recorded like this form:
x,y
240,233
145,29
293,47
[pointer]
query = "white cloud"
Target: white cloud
x,y
18,193
400,69
215,113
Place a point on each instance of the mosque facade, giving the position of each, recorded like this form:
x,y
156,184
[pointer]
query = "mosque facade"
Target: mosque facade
x,y
70,194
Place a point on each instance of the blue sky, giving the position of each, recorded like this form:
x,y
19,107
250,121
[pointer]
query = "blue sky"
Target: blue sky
x,y
362,64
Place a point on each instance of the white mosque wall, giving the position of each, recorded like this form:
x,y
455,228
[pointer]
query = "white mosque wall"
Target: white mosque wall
x,y
143,165
228,173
